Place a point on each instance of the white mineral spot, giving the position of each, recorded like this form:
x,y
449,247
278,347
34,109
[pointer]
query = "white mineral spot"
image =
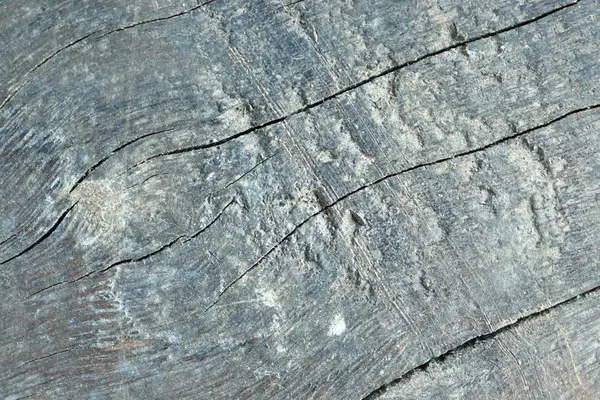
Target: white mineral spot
x,y
337,327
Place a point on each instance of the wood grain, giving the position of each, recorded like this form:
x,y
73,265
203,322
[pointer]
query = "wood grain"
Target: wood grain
x,y
320,199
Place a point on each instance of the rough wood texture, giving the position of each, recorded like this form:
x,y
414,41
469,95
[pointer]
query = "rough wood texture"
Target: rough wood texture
x,y
320,199
553,355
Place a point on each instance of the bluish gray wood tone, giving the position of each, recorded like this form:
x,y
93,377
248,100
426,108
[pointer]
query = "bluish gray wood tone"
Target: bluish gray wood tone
x,y
553,355
314,200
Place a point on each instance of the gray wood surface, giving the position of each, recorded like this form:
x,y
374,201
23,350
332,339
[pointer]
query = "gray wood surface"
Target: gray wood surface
x,y
320,199
553,355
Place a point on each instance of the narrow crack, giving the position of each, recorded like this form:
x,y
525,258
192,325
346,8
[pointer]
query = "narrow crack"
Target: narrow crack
x,y
242,176
195,235
185,238
290,4
146,180
261,258
113,152
103,270
301,110
30,396
215,143
471,342
8,238
138,259
37,66
79,181
47,356
357,85
385,178
81,39
49,287
159,19
44,236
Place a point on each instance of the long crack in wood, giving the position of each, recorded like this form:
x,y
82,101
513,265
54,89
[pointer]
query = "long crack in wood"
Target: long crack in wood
x,y
385,178
357,85
113,152
162,248
43,236
41,63
81,39
159,19
471,342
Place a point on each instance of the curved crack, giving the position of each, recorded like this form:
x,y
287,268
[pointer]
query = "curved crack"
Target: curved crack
x,y
105,158
195,235
8,238
44,236
471,342
385,178
44,61
159,19
303,109
134,260
214,143
185,238
358,84
146,180
81,39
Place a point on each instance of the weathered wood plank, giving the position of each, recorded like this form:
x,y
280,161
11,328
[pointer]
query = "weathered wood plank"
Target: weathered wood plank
x,y
178,229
